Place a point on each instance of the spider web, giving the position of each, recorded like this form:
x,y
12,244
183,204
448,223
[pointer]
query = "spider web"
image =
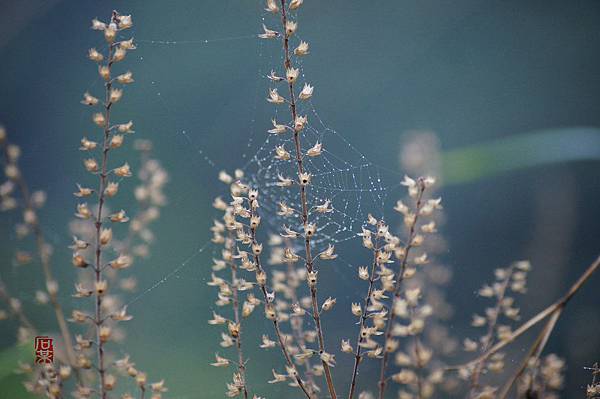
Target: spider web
x,y
342,174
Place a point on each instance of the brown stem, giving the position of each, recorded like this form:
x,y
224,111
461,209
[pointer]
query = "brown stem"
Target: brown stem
x,y
42,251
363,319
237,320
489,337
534,353
388,332
282,344
98,225
298,332
418,365
303,200
560,303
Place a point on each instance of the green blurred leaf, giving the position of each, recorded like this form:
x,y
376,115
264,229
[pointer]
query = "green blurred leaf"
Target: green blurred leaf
x,y
11,383
9,358
521,151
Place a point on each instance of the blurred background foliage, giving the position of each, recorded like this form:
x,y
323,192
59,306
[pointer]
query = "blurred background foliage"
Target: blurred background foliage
x,y
510,88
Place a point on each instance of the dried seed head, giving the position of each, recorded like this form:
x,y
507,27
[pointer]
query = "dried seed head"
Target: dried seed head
x,y
291,74
275,97
111,189
311,277
277,128
105,333
52,287
78,316
305,178
109,382
88,99
272,6
363,273
302,49
328,254
127,44
121,315
94,55
295,4
310,229
101,287
91,165
87,145
261,278
123,170
106,236
115,95
125,22
122,262
306,93
412,296
79,261
119,217
83,191
281,153
141,378
84,363
64,372
110,33
328,304
315,150
254,221
257,248
125,78
104,72
270,312
234,329
290,27
268,33
300,122
125,127
346,347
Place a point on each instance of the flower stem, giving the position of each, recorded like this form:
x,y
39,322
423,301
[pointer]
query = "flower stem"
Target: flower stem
x,y
403,263
98,225
237,320
282,344
303,200
363,319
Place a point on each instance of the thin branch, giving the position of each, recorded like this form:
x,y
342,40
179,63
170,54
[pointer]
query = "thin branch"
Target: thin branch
x,y
561,303
298,332
489,337
363,319
44,256
98,222
237,321
282,344
388,333
305,207
534,353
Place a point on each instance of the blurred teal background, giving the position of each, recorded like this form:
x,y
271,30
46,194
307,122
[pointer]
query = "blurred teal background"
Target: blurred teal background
x,y
473,72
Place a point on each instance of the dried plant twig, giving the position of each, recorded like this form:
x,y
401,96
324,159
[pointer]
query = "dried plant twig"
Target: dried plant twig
x,y
539,317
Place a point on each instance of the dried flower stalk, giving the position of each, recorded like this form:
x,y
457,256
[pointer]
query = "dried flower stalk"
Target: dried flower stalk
x,y
539,317
43,250
418,188
488,338
113,137
288,27
363,318
245,205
